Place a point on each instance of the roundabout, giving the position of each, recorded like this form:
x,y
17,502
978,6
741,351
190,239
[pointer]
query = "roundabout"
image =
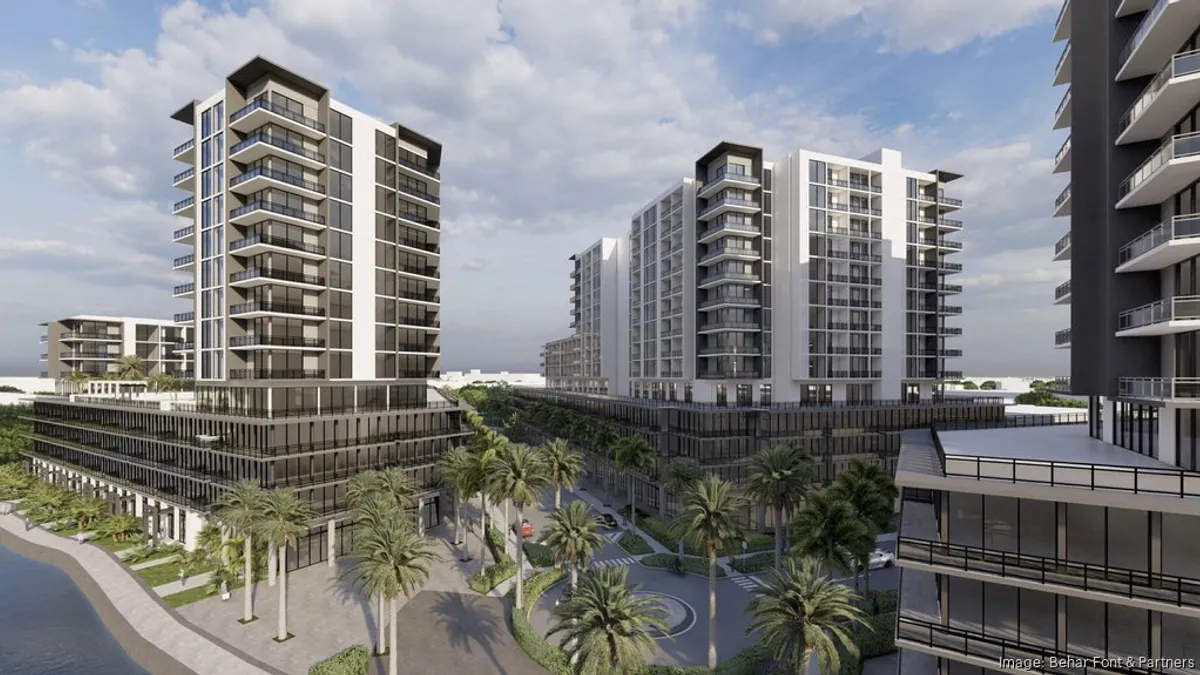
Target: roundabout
x,y
677,614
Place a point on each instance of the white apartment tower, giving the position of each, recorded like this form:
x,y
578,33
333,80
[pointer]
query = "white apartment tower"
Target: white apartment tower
x,y
812,279
587,361
300,205
93,344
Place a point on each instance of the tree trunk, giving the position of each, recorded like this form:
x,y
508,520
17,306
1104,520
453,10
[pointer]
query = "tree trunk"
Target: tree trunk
x,y
662,499
557,496
632,503
712,607
381,637
779,539
458,538
248,588
283,592
272,563
520,560
393,663
483,536
573,570
762,517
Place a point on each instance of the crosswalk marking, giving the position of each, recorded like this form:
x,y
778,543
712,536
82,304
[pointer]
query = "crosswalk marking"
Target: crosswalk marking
x,y
748,583
614,562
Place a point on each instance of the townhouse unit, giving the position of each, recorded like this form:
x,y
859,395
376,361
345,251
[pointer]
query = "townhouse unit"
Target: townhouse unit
x,y
92,345
315,273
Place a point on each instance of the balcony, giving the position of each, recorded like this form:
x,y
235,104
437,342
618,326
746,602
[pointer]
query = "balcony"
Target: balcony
x,y
259,211
719,326
857,303
185,180
726,350
185,207
253,374
1062,203
729,205
184,290
257,244
1166,26
948,224
185,346
185,262
729,277
857,184
855,280
262,111
1062,248
848,351
1166,99
849,255
417,170
850,207
1165,317
725,178
184,235
275,342
851,374
1062,27
1062,159
936,242
1062,339
1062,71
257,146
265,276
730,375
261,178
1165,389
724,301
84,335
185,152
1062,116
423,272
407,218
251,310
420,196
1168,243
725,227
426,247
1174,166
1062,294
721,253
1129,7
184,317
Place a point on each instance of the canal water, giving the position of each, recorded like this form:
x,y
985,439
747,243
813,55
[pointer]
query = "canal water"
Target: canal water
x,y
48,627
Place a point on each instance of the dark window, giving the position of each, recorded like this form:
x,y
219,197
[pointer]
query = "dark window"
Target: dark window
x,y
340,186
340,275
340,246
341,216
341,365
340,156
341,126
340,335
340,307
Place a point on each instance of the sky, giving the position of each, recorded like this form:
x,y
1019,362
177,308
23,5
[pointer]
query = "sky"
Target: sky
x,y
559,119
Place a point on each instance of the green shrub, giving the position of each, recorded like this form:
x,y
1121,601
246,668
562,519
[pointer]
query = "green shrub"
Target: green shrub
x,y
493,575
877,640
758,562
353,661
495,544
634,544
690,564
1045,398
9,389
661,531
538,555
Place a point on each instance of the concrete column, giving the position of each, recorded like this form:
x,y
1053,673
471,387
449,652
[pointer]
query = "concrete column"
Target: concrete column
x,y
1167,450
421,516
176,522
1060,539
331,536
1109,412
195,522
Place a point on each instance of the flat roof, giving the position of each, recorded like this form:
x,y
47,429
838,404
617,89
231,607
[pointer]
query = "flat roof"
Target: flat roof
x,y
1056,443
724,147
257,68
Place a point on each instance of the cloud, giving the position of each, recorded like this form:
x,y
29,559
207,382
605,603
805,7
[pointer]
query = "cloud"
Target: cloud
x,y
558,118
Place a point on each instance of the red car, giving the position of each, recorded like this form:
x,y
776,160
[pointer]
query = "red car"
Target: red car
x,y
526,529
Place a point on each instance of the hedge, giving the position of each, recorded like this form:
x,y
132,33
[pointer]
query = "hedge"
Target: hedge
x,y
495,544
749,661
759,562
634,544
539,555
493,575
690,564
352,661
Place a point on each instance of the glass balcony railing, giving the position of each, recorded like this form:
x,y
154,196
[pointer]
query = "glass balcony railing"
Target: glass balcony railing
x,y
279,242
279,275
184,260
1164,389
1187,63
1062,151
1063,290
1143,29
1062,197
277,308
184,232
288,374
731,201
281,176
183,288
183,204
419,168
1180,308
730,250
732,172
184,317
1182,145
420,194
1174,229
278,142
1062,58
729,276
277,208
1062,337
261,103
1062,244
1062,105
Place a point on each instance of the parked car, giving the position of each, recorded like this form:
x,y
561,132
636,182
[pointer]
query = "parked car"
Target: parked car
x,y
526,529
609,521
881,558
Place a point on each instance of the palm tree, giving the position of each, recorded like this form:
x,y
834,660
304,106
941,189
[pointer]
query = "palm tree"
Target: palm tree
x,y
373,512
870,489
607,626
361,487
87,512
284,518
131,367
829,530
455,470
390,559
119,528
573,538
396,487
221,580
632,455
680,472
779,478
79,379
485,448
709,520
520,476
239,511
161,381
802,612
564,465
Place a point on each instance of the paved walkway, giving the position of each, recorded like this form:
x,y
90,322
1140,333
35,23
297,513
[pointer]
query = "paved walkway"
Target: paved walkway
x,y
194,581
153,563
152,621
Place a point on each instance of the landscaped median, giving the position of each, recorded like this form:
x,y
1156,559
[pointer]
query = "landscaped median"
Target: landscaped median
x,y
353,661
498,572
759,562
691,564
661,532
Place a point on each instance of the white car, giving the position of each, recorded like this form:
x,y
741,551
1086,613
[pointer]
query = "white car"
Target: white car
x,y
881,558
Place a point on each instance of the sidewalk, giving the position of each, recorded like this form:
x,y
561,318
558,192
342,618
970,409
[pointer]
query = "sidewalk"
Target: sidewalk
x,y
196,581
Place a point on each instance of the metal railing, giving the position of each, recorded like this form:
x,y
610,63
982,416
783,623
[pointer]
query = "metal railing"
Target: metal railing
x,y
1062,197
1062,244
1180,308
1186,63
848,255
282,210
420,270
1062,105
731,201
742,300
410,217
183,175
280,242
184,317
281,143
1172,229
1063,290
281,176
183,204
1159,388
184,260
1062,337
275,341
1062,58
262,103
995,649
419,168
729,351
731,227
1143,29
1015,422
420,194
277,307
852,351
729,276
278,275
183,288
936,401
1128,583
729,250
723,172
282,374
1180,145
1062,151
184,232
849,302
184,146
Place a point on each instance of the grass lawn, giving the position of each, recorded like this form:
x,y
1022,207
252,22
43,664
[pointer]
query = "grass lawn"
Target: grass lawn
x,y
634,544
109,544
755,563
164,574
693,565
163,552
194,595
